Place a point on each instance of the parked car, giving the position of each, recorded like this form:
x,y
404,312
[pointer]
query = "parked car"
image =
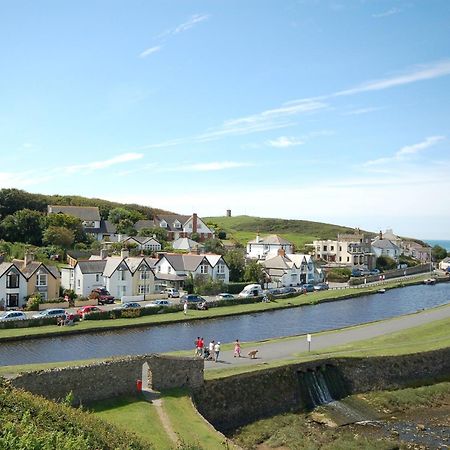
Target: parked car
x,y
54,312
365,272
87,310
307,287
225,296
12,315
103,296
171,292
321,287
192,298
288,290
157,303
128,305
374,272
251,290
356,272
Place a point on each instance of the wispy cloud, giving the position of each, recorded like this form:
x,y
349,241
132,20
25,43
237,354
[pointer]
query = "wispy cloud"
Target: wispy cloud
x,y
419,73
389,12
407,151
170,32
149,51
285,142
359,111
209,167
97,165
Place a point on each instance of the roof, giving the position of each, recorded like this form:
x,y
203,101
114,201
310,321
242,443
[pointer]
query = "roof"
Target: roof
x,y
5,266
141,239
170,277
34,266
190,262
92,266
384,244
273,239
82,212
278,262
171,219
186,244
144,224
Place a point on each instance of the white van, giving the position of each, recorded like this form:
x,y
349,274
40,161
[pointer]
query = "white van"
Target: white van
x,y
251,290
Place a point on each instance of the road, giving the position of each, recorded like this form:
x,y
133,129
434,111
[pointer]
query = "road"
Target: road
x,y
286,349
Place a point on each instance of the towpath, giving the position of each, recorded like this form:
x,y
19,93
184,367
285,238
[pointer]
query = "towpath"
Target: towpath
x,y
286,349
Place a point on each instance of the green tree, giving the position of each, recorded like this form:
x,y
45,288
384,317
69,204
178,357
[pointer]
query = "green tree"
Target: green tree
x,y
236,262
159,233
12,200
23,226
438,253
214,246
70,222
253,272
116,215
59,236
126,226
385,263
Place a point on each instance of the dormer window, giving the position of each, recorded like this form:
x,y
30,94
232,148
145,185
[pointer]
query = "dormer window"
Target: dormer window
x,y
177,224
163,224
12,280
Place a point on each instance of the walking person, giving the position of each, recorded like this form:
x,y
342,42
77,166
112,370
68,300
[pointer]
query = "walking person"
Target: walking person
x,y
211,349
197,346
185,307
216,351
237,348
201,346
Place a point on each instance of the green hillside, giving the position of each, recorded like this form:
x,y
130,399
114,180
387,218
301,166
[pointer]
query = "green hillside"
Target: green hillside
x,y
300,232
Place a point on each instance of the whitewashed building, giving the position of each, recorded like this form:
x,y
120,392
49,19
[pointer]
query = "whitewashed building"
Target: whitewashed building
x,y
268,246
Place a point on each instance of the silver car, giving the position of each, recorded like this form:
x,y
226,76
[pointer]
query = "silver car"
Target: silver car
x,y
54,312
12,315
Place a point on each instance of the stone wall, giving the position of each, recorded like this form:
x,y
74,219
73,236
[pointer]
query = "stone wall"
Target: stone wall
x,y
112,378
232,402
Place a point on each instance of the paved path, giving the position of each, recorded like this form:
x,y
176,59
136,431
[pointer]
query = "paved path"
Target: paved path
x,y
286,349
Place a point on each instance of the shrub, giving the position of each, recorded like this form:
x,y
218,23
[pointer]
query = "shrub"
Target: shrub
x,y
339,274
32,304
53,300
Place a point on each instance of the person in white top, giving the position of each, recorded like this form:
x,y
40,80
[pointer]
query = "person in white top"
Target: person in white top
x,y
216,351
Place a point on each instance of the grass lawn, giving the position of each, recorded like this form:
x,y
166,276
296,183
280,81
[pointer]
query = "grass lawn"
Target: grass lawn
x,y
98,325
134,415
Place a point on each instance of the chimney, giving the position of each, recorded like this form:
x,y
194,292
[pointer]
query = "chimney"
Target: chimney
x,y
194,223
258,239
29,257
103,253
281,252
124,253
228,212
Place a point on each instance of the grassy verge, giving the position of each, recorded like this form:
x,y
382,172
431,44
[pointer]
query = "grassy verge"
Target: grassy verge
x,y
134,415
105,325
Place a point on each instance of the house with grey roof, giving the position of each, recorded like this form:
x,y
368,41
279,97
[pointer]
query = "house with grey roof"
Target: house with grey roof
x,y
290,270
175,268
143,243
187,245
268,246
384,247
13,286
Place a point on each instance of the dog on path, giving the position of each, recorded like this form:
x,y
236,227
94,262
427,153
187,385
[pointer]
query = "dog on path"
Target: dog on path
x,y
252,354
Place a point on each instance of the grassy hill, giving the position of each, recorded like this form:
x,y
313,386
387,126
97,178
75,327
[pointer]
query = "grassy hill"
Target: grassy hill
x,y
300,232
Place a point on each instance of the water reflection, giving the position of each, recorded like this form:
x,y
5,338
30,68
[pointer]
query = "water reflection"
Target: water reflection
x,y
249,327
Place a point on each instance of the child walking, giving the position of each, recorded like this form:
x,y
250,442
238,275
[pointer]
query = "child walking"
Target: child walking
x,y
237,348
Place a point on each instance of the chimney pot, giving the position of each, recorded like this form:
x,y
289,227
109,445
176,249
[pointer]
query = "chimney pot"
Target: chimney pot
x,y
124,253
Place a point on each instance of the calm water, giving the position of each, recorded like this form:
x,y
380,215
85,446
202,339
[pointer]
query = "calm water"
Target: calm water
x,y
442,243
247,328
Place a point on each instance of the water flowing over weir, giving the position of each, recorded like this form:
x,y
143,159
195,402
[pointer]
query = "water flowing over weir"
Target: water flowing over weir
x,y
325,386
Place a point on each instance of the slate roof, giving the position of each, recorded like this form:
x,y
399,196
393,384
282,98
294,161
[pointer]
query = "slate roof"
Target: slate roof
x,y
170,219
186,244
82,212
33,266
190,263
384,244
92,266
273,239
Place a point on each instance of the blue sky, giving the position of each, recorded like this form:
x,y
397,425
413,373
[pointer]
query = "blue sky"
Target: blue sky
x,y
336,111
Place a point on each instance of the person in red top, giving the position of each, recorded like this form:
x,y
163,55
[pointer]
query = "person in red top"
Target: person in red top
x,y
201,345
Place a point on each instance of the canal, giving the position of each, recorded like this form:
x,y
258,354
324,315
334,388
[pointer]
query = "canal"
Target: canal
x,y
181,336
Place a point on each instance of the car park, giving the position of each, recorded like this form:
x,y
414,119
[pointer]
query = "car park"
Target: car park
x,y
128,305
192,298
321,287
225,296
171,293
12,315
87,310
102,295
158,303
53,312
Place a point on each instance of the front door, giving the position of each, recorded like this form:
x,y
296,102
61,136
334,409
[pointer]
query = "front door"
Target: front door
x,y
12,300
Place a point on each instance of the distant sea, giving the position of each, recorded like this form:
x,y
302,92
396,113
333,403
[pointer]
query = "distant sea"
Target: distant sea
x,y
444,244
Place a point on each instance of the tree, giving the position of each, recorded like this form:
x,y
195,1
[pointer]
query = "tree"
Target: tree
x,y
222,234
59,236
385,263
23,226
12,200
126,226
69,222
253,272
159,233
195,237
236,262
116,215
438,253
214,246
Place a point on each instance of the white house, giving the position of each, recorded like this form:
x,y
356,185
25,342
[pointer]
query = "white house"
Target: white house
x,y
384,247
265,247
143,243
290,269
13,286
174,268
445,264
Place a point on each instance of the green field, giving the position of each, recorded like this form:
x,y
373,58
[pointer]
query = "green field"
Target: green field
x,y
300,232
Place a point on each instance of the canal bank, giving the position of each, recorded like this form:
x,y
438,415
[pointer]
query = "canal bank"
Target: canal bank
x,y
87,327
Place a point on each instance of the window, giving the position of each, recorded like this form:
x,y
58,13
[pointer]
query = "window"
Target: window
x,y
122,275
144,273
41,279
12,300
78,283
340,248
332,248
340,258
12,280
221,268
97,277
169,269
348,258
324,248
143,289
203,269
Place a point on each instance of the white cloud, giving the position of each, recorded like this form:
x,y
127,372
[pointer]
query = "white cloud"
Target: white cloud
x,y
285,142
407,151
193,20
96,165
419,73
389,12
208,167
150,51
359,111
